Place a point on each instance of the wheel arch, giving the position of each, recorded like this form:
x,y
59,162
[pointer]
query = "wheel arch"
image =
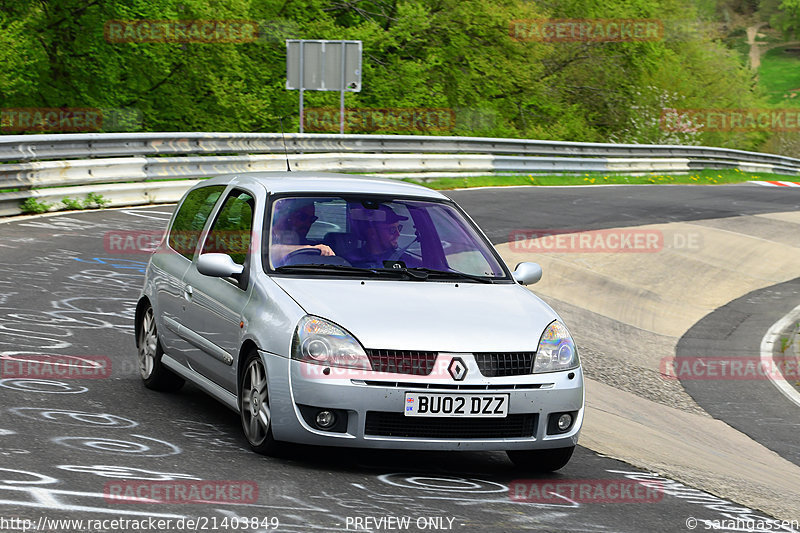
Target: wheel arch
x,y
247,346
141,305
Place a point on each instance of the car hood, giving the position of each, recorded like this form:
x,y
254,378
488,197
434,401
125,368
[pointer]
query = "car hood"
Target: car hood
x,y
431,316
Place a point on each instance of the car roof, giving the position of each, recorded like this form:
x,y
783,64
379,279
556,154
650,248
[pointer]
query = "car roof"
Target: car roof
x,y
327,182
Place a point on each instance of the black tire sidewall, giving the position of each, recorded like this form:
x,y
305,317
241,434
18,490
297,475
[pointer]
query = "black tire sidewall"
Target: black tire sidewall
x,y
161,378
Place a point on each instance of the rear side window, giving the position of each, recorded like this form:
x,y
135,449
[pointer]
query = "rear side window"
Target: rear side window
x,y
191,218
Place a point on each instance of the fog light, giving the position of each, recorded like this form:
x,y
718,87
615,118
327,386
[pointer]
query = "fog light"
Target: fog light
x,y
325,419
564,421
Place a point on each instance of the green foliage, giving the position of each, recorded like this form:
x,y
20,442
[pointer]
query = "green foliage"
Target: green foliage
x,y
454,54
702,177
789,16
34,206
94,199
791,339
71,203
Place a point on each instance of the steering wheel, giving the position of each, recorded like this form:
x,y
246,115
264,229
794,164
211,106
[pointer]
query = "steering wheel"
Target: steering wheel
x,y
289,258
301,251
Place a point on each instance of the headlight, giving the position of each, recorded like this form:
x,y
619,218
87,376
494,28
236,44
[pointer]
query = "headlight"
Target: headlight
x,y
321,342
557,350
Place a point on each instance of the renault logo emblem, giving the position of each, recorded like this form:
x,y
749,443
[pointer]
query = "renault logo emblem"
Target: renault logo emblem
x,y
457,369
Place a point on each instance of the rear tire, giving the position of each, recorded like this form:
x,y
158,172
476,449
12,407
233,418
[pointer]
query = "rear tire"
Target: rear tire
x,y
254,410
154,374
541,461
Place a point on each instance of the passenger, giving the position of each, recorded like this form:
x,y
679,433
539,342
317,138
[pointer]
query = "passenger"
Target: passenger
x,y
381,231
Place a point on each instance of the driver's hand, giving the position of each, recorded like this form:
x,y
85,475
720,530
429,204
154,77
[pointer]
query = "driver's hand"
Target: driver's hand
x,y
324,249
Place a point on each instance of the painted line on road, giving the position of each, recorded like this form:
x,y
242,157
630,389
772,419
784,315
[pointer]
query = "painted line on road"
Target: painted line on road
x,y
767,345
17,218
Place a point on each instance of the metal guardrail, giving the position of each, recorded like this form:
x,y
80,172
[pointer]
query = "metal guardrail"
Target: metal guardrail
x,y
51,167
99,145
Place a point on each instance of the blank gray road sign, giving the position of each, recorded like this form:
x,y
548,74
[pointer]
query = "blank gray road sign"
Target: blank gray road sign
x,y
322,65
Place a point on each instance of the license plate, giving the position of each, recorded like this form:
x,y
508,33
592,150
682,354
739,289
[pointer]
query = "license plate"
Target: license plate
x,y
445,405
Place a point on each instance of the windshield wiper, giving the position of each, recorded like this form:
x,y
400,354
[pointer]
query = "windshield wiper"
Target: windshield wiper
x,y
417,273
411,273
455,274
317,267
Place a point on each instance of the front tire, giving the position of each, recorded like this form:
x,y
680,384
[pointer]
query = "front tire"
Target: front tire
x,y
254,408
541,461
154,374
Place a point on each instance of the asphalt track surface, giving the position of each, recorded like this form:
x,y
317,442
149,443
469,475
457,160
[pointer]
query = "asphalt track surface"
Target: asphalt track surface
x,y
751,406
500,211
62,441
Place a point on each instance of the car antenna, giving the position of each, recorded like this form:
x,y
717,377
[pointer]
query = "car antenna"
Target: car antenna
x,y
285,151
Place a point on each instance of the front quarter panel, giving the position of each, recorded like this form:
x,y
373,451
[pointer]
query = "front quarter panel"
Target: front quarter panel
x,y
271,316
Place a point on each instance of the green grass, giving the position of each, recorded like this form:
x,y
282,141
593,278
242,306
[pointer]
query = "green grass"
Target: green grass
x,y
704,177
780,73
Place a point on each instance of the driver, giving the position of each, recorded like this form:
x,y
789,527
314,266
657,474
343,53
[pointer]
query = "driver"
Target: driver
x,y
290,229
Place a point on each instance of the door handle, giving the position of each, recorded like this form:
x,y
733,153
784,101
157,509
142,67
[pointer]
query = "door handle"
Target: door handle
x,y
187,291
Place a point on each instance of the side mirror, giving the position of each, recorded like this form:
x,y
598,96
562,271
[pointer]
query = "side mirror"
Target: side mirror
x,y
218,265
527,273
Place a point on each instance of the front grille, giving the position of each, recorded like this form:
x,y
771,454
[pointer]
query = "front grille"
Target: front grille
x,y
495,365
402,361
385,424
445,386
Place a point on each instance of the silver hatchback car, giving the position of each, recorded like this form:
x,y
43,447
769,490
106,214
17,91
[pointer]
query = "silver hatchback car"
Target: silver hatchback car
x,y
338,310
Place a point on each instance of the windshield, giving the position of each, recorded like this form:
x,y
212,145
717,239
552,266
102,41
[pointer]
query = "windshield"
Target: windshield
x,y
376,234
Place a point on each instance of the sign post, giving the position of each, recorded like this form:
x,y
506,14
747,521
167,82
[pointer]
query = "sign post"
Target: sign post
x,y
319,65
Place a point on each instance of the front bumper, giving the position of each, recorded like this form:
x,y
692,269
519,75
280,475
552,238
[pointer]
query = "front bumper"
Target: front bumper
x,y
368,396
